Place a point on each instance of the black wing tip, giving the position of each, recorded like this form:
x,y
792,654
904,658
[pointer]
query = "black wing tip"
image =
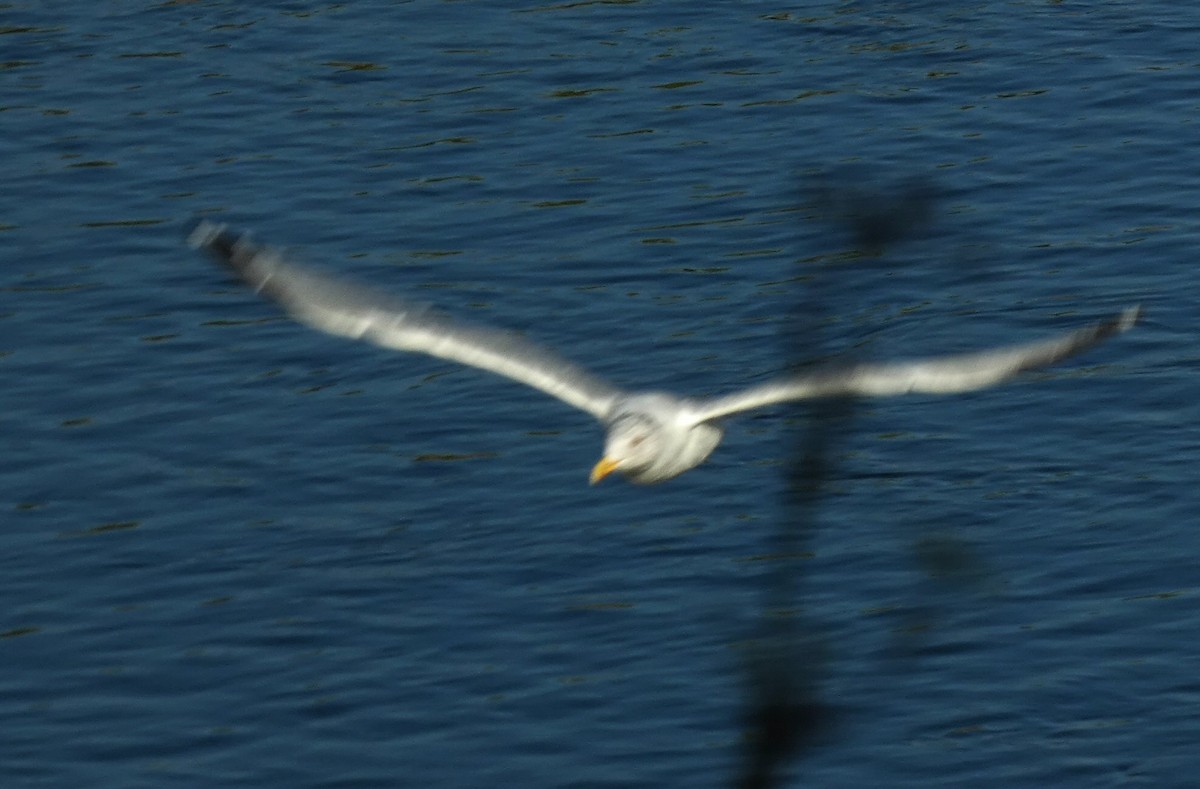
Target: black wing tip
x,y
212,237
1118,324
229,248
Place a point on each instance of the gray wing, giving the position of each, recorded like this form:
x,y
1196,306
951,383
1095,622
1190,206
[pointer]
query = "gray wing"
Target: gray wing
x,y
337,307
940,375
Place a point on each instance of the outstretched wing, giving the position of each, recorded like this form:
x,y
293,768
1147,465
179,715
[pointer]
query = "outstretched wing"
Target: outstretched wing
x,y
940,375
338,307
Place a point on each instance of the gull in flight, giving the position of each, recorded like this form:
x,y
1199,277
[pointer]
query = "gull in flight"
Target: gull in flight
x,y
651,436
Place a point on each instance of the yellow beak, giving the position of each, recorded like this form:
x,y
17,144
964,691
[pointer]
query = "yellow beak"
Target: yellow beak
x,y
602,469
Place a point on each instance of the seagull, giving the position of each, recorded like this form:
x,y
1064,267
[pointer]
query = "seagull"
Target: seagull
x,y
650,436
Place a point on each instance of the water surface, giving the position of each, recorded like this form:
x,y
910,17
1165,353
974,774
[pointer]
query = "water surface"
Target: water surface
x,y
239,553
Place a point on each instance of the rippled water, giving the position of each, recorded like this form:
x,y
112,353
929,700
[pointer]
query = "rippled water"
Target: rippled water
x,y
239,553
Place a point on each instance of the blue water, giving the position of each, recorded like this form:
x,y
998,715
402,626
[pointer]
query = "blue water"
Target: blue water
x,y
238,553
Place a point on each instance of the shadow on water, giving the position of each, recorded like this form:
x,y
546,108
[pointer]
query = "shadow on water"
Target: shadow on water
x,y
786,713
875,212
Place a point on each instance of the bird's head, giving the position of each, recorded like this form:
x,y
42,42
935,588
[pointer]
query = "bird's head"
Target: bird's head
x,y
633,446
653,437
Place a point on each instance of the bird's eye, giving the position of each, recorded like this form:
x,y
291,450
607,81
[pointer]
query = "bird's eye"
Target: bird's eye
x,y
637,441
